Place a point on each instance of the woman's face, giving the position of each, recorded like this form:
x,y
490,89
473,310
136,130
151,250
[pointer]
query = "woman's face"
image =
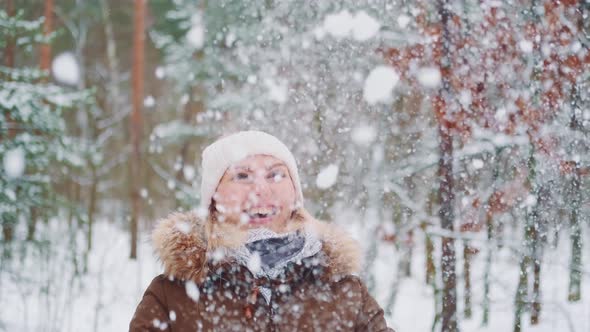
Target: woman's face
x,y
256,192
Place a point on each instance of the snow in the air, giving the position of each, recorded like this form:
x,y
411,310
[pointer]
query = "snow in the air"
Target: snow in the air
x,y
277,91
14,162
465,98
364,134
327,176
365,26
429,77
379,84
192,290
526,46
477,163
149,101
183,226
65,68
160,72
353,89
403,21
501,114
339,24
189,172
254,262
359,26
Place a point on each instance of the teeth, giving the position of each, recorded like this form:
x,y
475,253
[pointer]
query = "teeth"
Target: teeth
x,y
261,211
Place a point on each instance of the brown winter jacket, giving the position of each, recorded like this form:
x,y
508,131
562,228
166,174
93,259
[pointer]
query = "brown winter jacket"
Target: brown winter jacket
x,y
203,291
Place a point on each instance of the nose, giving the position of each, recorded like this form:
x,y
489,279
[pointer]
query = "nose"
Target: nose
x,y
262,188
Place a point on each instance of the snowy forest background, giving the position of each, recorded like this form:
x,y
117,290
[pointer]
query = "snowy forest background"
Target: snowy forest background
x,y
450,137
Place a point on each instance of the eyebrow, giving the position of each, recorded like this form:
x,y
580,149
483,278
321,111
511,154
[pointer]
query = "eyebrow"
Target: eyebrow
x,y
247,168
274,165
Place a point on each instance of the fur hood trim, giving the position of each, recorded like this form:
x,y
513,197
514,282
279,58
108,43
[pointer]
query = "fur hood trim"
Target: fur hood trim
x,y
186,243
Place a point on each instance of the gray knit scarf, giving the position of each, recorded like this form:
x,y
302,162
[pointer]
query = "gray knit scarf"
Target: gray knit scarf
x,y
266,253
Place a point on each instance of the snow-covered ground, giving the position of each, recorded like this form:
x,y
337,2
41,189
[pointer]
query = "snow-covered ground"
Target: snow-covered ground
x,y
105,298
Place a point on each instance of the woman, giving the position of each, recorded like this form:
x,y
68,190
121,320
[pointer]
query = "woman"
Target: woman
x,y
256,260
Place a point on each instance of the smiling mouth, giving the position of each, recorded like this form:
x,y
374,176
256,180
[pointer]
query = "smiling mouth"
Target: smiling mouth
x,y
261,214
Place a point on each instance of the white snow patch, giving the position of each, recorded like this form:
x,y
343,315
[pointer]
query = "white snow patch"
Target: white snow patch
x,y
339,25
429,77
201,212
188,172
192,290
183,226
244,218
526,46
501,115
254,263
343,24
277,91
319,32
217,255
196,35
575,46
327,177
477,163
149,101
403,21
160,73
365,27
14,162
184,99
65,69
465,98
379,84
530,200
172,315
363,135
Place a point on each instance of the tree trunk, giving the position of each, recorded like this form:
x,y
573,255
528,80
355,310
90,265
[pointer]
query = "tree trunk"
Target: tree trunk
x,y
32,225
407,259
92,205
521,293
9,51
574,291
467,279
135,120
488,268
445,173
430,267
490,236
521,299
11,42
575,196
449,304
536,299
45,59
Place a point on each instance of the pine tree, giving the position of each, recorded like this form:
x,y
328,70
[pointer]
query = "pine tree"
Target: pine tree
x,y
34,144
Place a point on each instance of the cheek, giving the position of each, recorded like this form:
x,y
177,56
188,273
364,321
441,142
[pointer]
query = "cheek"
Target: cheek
x,y
231,195
285,192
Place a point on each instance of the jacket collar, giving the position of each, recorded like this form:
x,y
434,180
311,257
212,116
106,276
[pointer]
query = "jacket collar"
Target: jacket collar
x,y
189,246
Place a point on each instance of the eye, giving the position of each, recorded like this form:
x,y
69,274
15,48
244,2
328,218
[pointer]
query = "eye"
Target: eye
x,y
276,176
241,176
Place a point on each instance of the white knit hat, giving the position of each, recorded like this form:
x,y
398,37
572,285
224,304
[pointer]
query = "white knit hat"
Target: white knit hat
x,y
224,152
